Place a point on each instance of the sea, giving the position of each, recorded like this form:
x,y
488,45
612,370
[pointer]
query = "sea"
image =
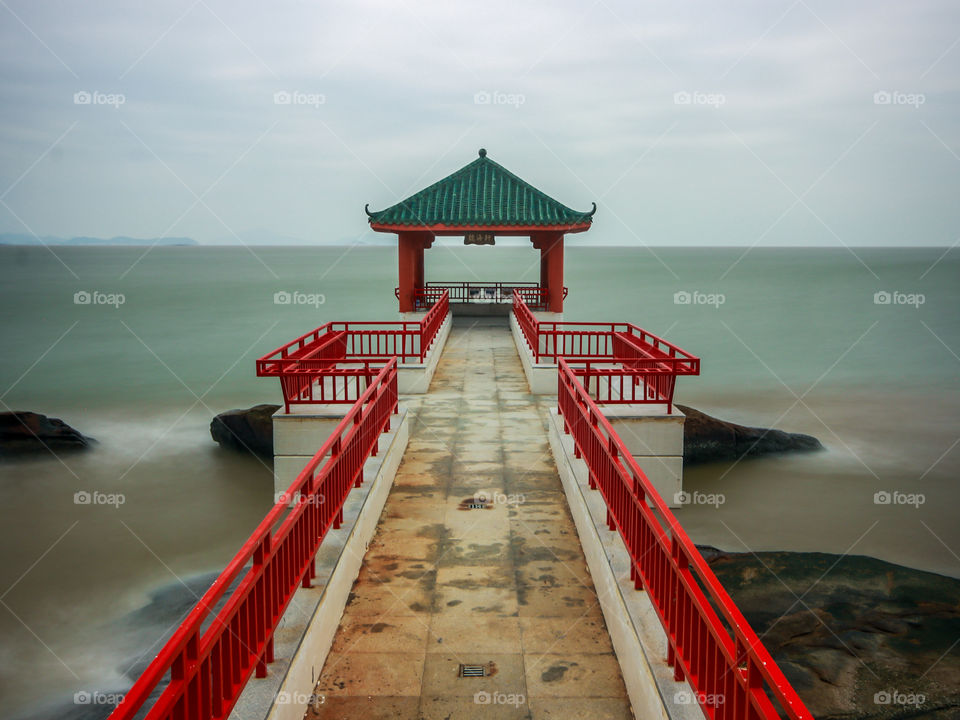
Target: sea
x,y
140,347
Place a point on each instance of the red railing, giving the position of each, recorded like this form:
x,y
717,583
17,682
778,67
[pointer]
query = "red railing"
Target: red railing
x,y
616,352
332,363
205,670
481,292
613,381
720,656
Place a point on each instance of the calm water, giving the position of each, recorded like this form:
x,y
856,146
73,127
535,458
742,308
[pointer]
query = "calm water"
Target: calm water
x,y
798,342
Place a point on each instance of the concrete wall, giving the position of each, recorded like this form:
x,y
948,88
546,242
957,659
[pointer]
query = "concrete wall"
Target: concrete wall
x,y
655,439
541,377
635,630
415,378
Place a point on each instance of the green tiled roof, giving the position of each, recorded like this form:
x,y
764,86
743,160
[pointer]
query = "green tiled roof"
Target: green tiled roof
x,y
483,193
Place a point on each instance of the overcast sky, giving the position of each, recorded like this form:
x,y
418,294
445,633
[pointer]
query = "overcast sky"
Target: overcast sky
x,y
689,124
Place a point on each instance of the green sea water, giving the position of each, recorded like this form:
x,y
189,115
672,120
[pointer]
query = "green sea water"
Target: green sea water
x,y
861,349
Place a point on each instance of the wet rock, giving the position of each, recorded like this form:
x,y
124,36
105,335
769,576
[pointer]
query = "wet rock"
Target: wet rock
x,y
856,637
249,430
708,439
30,433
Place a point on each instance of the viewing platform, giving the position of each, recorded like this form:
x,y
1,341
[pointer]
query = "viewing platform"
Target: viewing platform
x,y
472,517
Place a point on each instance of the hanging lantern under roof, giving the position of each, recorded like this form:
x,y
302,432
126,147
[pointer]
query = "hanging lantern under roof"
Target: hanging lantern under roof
x,y
479,238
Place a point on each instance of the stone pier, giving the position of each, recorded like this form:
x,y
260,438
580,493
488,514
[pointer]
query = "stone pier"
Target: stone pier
x,y
475,564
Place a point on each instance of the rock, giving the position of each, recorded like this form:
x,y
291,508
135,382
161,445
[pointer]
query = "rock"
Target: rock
x,y
26,433
866,639
249,430
707,439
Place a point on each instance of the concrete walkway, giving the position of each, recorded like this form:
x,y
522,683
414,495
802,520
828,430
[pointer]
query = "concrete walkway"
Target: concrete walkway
x,y
503,586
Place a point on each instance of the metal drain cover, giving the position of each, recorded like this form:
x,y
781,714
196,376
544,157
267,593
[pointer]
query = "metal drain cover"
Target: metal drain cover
x,y
478,501
473,670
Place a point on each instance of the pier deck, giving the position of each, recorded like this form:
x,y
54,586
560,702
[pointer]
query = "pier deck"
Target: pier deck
x,y
443,584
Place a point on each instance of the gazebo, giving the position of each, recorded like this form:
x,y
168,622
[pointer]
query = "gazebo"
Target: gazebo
x,y
479,202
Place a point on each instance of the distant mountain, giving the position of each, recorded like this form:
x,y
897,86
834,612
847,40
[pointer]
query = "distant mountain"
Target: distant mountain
x,y
260,237
21,239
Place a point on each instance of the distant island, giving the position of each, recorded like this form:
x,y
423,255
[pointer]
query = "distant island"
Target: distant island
x,y
21,239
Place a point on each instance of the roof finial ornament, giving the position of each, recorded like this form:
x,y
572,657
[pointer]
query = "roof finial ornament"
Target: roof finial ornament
x,y
366,209
483,152
590,214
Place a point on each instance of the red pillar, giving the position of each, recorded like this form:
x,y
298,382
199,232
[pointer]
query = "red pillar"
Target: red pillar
x,y
408,247
555,274
544,275
551,268
418,279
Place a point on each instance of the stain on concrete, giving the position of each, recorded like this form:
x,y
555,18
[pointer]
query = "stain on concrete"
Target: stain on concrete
x,y
554,673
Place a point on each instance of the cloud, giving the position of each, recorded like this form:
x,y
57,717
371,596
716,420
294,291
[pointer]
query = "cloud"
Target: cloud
x,y
389,107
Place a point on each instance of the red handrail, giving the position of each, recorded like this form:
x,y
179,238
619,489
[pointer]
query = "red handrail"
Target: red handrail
x,y
316,367
653,362
208,669
722,659
624,381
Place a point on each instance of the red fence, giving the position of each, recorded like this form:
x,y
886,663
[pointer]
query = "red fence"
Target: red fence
x,y
334,362
481,292
720,656
204,671
620,362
